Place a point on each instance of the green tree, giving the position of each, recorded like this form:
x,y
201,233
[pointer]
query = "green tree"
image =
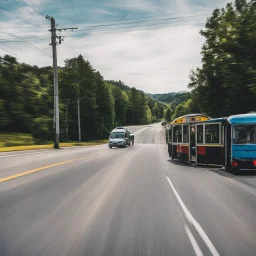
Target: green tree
x,y
79,82
168,114
182,109
226,83
121,104
106,107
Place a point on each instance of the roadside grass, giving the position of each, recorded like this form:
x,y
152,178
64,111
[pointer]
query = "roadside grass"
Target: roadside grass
x,y
16,139
19,142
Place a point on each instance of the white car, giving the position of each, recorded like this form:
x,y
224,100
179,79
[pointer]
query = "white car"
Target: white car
x,y
118,138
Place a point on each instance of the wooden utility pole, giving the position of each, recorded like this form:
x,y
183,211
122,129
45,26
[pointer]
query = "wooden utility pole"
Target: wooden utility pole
x,y
78,115
56,118
67,123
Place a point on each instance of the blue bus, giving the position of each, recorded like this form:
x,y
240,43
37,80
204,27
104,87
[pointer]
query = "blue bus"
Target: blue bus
x,y
240,142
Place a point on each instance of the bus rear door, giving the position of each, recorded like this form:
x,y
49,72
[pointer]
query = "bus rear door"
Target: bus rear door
x,y
210,144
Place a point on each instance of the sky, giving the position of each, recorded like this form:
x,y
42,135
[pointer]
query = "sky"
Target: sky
x,y
148,44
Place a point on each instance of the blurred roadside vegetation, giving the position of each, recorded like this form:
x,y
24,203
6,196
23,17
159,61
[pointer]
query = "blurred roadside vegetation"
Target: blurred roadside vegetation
x,y
16,139
21,145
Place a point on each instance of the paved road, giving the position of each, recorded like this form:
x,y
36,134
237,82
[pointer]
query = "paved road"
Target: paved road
x,y
132,201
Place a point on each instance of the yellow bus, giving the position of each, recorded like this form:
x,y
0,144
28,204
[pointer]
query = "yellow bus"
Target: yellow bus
x,y
181,137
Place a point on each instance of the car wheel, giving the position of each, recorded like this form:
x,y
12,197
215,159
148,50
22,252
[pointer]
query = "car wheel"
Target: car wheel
x,y
110,146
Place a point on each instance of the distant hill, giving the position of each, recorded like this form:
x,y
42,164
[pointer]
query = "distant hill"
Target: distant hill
x,y
173,97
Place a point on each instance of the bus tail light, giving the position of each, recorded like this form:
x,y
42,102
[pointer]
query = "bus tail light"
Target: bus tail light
x,y
234,164
254,162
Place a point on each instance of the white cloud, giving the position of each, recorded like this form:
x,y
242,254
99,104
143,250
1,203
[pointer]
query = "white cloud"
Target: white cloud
x,y
152,60
29,15
155,61
35,3
102,11
139,5
179,5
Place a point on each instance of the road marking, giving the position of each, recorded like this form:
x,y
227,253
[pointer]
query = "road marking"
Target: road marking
x,y
193,242
40,169
196,247
193,222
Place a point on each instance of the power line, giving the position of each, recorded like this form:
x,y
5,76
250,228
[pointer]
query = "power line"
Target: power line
x,y
136,22
28,37
21,40
71,48
31,13
15,41
24,21
8,51
142,27
30,6
144,17
3,9
127,23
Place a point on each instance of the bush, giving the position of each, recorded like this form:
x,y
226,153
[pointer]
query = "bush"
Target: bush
x,y
42,129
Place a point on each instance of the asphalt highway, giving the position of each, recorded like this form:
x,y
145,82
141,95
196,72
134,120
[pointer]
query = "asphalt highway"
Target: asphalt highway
x,y
129,201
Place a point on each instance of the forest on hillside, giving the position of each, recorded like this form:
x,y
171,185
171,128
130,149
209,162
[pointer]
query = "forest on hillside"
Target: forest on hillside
x,y
26,101
178,104
174,97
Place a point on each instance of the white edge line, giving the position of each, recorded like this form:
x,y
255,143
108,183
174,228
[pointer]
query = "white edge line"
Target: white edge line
x,y
194,222
193,242
196,247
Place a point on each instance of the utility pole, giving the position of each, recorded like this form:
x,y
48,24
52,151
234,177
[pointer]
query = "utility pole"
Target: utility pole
x,y
56,119
101,127
67,123
78,115
133,114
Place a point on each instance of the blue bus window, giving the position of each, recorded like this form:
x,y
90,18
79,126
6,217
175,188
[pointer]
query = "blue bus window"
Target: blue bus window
x,y
244,134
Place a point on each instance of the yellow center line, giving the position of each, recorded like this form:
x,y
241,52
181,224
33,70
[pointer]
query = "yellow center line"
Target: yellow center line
x,y
40,169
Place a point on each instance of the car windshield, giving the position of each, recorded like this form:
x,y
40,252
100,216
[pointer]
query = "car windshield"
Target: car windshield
x,y
117,135
244,134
